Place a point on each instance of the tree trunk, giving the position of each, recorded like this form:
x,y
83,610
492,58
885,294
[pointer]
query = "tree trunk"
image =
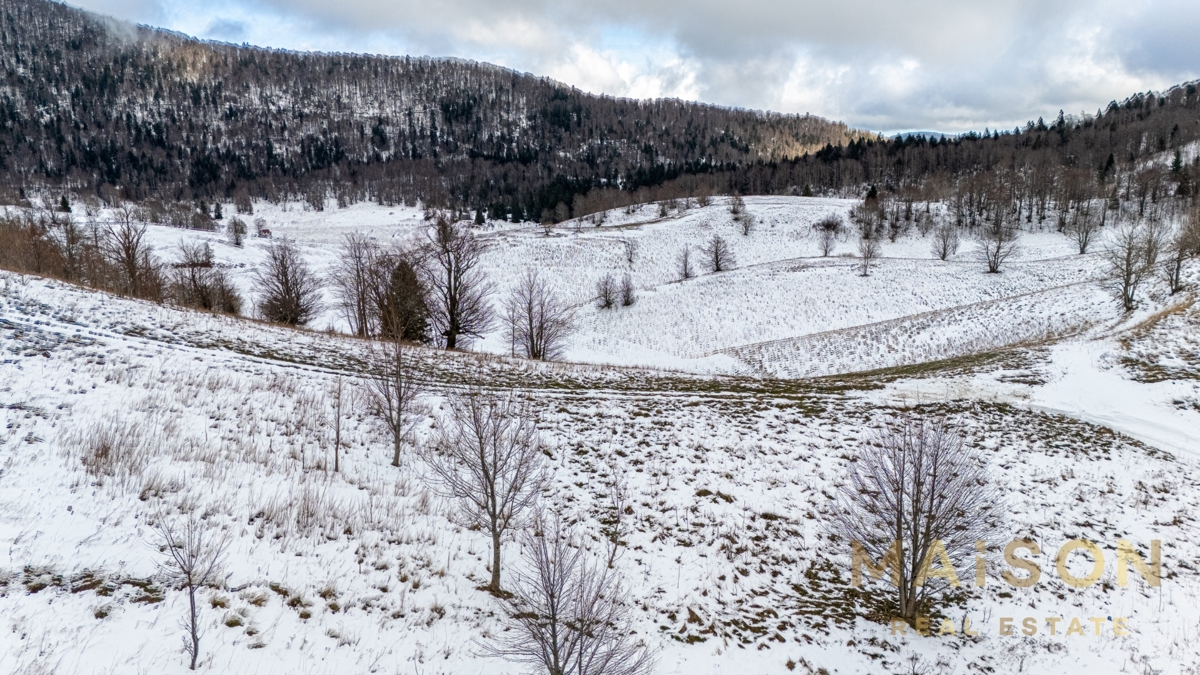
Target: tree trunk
x,y
495,585
396,448
195,628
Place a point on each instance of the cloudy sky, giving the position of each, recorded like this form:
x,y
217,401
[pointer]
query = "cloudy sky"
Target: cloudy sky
x,y
884,65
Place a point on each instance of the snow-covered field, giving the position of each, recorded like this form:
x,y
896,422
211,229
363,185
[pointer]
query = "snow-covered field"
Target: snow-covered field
x,y
783,310
1089,427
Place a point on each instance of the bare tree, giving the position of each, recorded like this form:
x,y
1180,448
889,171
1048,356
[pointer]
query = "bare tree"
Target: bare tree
x,y
392,391
746,223
717,254
685,264
828,229
458,291
195,553
628,293
536,320
997,241
868,252
344,399
352,282
237,231
914,493
289,292
488,458
737,206
72,247
1183,243
1130,258
196,281
606,291
615,525
945,241
1083,225
569,613
631,248
126,248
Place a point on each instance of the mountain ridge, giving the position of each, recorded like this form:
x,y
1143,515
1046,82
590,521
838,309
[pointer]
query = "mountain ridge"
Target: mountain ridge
x,y
92,102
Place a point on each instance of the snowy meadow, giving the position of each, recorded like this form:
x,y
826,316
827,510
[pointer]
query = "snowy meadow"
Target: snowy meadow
x,y
696,439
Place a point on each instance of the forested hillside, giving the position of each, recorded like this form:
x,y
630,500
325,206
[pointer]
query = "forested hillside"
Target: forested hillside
x,y
95,105
89,105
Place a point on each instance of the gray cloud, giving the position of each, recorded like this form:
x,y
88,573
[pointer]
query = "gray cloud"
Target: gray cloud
x,y
228,30
940,64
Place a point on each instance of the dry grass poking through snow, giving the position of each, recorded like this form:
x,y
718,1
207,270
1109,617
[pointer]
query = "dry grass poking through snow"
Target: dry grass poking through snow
x,y
114,422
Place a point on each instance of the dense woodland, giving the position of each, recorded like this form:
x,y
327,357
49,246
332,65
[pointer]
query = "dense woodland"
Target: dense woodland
x,y
91,106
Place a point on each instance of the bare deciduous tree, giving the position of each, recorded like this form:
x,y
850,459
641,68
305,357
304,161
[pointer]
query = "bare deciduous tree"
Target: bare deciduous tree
x,y
997,241
393,390
615,524
606,291
488,459
289,292
569,613
631,249
536,320
868,252
237,231
685,264
126,248
352,282
1084,224
457,288
343,398
945,241
196,282
1182,244
628,293
72,247
1130,258
828,229
717,254
195,553
915,499
737,206
746,224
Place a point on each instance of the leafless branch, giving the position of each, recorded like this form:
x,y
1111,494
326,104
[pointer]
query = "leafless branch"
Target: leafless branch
x,y
195,552
488,459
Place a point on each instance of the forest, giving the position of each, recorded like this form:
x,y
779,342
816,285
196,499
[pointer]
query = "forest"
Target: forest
x,y
93,106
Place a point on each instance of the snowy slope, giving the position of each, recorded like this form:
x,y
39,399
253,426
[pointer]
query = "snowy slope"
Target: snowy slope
x,y
364,571
783,311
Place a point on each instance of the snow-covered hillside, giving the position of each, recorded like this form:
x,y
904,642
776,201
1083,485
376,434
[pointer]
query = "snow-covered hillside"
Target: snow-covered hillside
x,y
783,311
122,413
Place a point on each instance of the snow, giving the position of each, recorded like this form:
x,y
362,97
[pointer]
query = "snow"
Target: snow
x,y
1089,425
784,311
